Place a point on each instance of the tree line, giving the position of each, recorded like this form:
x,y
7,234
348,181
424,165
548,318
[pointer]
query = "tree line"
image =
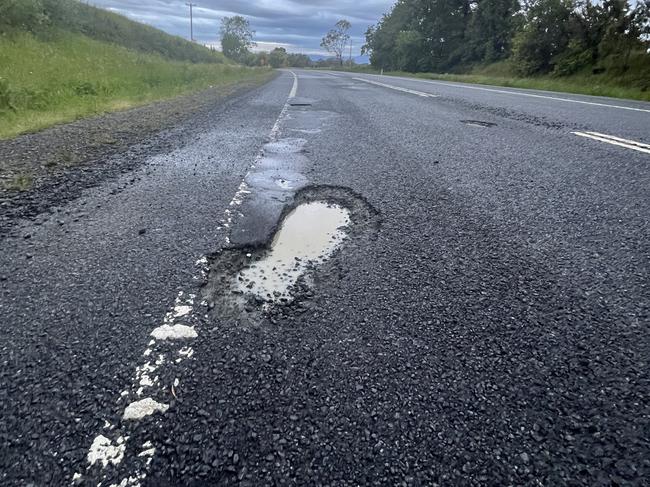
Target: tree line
x,y
561,37
237,42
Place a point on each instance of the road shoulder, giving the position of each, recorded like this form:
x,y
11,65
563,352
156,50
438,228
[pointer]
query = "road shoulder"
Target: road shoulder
x,y
48,168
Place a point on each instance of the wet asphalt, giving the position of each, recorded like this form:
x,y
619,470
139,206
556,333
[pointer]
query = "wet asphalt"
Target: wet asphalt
x,y
489,326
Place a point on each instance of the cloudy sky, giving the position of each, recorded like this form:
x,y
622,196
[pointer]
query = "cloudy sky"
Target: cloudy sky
x,y
297,25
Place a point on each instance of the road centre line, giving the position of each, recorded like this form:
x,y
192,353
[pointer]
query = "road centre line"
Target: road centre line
x,y
294,88
610,139
519,93
619,139
105,452
398,88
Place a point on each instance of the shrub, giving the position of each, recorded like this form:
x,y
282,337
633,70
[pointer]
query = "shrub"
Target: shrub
x,y
6,97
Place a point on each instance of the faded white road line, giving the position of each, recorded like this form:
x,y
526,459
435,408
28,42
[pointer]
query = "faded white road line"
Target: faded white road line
x,y
520,93
610,139
294,88
104,451
398,88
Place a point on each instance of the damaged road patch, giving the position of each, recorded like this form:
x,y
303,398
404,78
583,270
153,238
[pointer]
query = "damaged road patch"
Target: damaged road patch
x,y
245,280
308,235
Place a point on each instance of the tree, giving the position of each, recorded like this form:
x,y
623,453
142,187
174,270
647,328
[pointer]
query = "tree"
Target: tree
x,y
236,38
298,60
336,39
278,57
546,35
382,40
490,30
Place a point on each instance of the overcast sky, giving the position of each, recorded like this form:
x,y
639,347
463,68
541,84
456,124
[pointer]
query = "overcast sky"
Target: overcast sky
x,y
297,25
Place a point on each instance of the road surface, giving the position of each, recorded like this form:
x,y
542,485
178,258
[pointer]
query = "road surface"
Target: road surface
x,y
484,322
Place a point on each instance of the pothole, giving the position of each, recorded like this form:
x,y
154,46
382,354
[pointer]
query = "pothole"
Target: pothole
x,y
478,123
308,235
300,102
245,281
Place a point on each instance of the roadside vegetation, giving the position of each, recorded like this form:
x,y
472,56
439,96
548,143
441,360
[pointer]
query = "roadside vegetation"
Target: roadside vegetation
x,y
580,46
626,85
61,60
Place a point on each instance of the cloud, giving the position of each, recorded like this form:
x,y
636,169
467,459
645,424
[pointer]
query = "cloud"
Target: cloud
x,y
297,25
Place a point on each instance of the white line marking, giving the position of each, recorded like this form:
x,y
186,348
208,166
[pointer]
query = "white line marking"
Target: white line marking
x,y
143,407
103,450
294,88
398,88
175,332
620,139
637,146
519,93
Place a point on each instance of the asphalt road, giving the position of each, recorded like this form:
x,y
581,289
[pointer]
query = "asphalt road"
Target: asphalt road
x,y
485,322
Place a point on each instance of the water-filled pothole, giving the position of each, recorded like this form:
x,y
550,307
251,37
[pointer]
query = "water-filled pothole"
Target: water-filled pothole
x,y
245,281
308,235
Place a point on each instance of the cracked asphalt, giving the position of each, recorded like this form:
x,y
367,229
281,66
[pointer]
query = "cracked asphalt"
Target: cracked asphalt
x,y
488,327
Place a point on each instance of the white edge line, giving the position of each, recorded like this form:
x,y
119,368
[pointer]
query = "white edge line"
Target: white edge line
x,y
494,90
613,142
398,88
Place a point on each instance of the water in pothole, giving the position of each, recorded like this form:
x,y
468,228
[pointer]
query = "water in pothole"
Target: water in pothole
x,y
309,234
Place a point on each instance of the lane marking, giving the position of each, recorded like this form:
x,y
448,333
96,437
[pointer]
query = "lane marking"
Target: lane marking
x,y
240,195
103,451
143,407
294,88
618,141
398,88
532,95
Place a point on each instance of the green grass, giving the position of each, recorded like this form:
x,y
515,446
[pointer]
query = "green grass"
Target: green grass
x,y
45,17
69,76
633,84
19,182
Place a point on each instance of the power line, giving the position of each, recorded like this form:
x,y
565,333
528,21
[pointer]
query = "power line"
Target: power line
x,y
191,5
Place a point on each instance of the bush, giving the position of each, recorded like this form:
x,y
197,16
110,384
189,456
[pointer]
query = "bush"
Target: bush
x,y
22,15
575,58
6,97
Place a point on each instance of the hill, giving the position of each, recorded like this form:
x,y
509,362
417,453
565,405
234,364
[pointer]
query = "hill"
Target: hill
x,y
44,18
61,60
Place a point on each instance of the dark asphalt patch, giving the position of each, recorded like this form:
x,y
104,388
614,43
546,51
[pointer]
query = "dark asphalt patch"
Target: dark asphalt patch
x,y
300,102
226,299
478,123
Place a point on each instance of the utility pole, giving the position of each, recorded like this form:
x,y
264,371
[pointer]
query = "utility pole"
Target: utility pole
x,y
350,52
191,5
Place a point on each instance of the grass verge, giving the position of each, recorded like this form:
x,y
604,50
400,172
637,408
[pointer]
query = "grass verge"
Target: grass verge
x,y
70,76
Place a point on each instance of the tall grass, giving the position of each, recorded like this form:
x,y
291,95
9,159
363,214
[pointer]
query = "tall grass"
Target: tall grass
x,y
69,76
43,18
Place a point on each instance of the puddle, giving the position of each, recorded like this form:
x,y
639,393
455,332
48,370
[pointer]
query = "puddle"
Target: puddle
x,y
309,234
478,123
272,267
